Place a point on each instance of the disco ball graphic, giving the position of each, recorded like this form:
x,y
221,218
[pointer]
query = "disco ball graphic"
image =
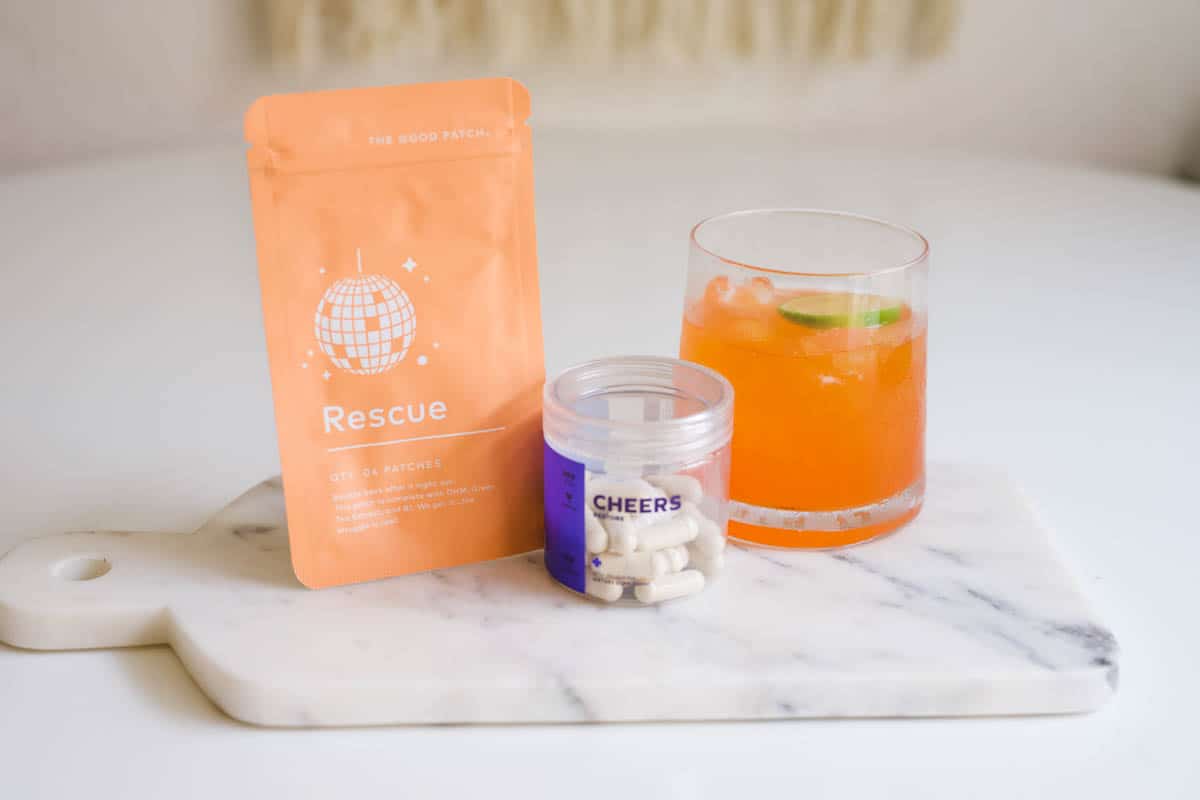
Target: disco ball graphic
x,y
365,324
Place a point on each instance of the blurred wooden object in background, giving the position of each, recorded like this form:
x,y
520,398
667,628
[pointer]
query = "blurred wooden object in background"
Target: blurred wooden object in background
x,y
314,32
1079,81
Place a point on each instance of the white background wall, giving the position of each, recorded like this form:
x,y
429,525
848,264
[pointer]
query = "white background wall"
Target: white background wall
x,y
1100,81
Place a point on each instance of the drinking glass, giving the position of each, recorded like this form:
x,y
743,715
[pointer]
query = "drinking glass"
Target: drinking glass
x,y
818,319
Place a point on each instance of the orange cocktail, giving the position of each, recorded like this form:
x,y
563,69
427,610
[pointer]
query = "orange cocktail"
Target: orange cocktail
x,y
829,394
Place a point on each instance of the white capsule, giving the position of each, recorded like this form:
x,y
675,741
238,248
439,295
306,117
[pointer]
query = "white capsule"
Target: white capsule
x,y
668,587
680,529
687,487
711,566
603,590
594,533
709,540
622,536
678,556
631,500
638,566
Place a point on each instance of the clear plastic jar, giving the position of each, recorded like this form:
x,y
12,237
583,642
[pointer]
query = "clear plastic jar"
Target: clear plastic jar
x,y
636,477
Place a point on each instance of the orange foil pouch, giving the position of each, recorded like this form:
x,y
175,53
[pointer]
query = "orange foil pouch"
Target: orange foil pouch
x,y
398,268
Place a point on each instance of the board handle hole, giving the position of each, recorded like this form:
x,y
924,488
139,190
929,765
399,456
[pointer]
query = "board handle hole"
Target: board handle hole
x,y
81,568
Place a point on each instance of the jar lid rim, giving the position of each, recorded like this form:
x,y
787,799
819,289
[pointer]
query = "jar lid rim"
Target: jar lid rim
x,y
711,427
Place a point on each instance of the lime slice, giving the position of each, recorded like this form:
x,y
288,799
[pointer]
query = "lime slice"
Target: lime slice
x,y
841,310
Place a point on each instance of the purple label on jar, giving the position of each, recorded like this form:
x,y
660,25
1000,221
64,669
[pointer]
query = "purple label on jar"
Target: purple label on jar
x,y
565,496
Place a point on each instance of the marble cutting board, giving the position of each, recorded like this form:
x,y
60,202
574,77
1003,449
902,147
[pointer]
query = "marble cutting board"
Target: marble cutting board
x,y
968,611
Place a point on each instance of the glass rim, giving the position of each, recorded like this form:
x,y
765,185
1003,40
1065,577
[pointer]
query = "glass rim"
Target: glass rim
x,y
923,255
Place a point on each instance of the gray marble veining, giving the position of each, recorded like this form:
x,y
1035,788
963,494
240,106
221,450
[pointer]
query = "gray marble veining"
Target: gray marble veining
x,y
967,611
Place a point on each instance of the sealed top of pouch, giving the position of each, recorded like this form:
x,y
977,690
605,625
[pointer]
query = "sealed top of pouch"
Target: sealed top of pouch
x,y
398,269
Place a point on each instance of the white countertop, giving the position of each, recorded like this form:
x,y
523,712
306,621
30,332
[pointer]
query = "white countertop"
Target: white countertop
x,y
1063,347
